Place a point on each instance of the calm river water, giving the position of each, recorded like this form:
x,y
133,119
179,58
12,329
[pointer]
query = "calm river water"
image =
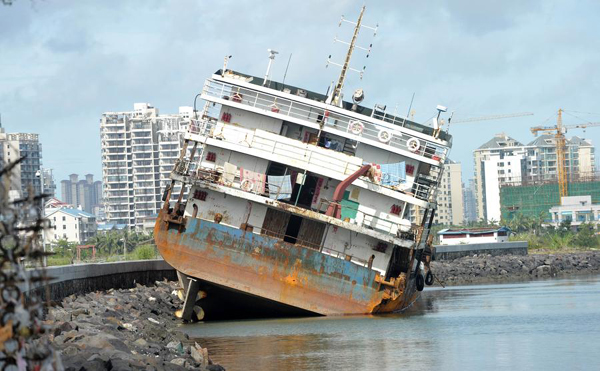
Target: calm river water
x,y
540,325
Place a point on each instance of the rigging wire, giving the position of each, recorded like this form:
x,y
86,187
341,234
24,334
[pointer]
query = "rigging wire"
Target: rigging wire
x,y
577,117
585,113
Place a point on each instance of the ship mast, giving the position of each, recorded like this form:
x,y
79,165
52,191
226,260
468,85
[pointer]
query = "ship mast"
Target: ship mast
x,y
337,92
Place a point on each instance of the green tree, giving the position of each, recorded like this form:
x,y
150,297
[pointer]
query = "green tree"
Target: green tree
x,y
65,248
586,236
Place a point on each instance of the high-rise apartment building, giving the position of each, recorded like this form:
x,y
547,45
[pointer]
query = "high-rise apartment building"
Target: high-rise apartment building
x,y
139,150
450,196
469,202
27,173
48,184
504,160
85,193
542,162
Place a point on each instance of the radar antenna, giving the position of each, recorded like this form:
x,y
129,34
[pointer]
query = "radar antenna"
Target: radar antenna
x,y
336,95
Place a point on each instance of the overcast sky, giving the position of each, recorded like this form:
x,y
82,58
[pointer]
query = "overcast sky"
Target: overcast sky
x,y
63,63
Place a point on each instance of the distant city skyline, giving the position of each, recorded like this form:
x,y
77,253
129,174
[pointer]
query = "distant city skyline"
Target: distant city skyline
x,y
475,58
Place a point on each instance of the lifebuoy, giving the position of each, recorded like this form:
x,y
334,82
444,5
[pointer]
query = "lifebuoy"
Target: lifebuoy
x,y
356,127
413,144
384,135
247,185
429,278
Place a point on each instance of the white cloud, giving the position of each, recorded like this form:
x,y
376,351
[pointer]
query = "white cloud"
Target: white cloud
x,y
64,63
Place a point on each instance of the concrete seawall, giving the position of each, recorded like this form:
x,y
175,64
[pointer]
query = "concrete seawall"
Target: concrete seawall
x,y
83,278
449,252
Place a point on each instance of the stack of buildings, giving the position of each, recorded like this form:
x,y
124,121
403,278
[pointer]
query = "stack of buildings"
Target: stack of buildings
x,y
139,150
28,174
512,177
85,193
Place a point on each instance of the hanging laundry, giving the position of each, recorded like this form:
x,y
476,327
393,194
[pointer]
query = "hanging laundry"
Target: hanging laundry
x,y
393,174
317,191
229,172
256,179
280,187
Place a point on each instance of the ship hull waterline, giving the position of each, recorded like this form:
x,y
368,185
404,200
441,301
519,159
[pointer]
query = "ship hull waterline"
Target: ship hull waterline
x,y
278,271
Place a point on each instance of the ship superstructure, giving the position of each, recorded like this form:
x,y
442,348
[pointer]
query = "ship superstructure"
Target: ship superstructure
x,y
300,201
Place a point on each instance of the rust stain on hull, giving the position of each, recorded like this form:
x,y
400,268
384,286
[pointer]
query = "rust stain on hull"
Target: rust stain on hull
x,y
276,270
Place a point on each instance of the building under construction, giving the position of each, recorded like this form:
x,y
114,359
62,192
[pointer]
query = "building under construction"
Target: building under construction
x,y
512,178
531,198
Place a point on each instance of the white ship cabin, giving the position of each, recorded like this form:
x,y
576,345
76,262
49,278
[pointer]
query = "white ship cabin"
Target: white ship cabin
x,y
272,159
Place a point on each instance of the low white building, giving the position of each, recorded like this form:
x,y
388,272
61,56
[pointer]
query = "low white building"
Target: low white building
x,y
71,224
577,210
473,235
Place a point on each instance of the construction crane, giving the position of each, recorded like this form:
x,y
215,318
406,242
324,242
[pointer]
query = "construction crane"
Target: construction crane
x,y
559,131
490,117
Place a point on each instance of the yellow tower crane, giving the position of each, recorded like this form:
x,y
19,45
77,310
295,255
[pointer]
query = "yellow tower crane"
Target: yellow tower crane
x,y
559,131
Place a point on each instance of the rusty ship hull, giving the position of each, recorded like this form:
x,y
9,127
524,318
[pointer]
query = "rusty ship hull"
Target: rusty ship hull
x,y
274,270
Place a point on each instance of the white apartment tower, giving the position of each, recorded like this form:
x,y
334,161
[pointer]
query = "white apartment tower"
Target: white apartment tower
x,y
450,196
500,160
139,150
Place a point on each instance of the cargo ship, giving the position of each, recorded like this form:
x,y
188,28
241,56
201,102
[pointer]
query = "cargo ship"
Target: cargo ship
x,y
286,201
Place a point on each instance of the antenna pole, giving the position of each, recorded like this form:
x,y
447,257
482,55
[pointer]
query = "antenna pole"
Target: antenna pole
x,y
337,92
286,69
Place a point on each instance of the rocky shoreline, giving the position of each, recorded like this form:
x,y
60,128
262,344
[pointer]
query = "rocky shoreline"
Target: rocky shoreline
x,y
136,328
510,268
124,330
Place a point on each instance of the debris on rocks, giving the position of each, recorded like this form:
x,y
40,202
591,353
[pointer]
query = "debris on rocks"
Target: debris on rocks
x,y
125,329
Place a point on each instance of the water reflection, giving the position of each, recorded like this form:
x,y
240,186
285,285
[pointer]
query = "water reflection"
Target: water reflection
x,y
541,325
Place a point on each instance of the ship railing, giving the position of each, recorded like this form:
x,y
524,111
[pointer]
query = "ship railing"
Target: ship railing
x,y
264,188
298,242
347,257
415,188
356,127
202,127
233,180
310,245
361,218
314,246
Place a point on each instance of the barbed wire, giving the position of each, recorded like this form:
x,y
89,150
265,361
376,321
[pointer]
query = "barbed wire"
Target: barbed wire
x,y
22,280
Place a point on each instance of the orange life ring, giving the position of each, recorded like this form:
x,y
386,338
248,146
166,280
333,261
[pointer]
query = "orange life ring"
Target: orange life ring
x,y
247,185
356,127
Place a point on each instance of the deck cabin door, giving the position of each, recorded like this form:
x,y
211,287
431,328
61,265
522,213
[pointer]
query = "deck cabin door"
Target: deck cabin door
x,y
311,233
275,223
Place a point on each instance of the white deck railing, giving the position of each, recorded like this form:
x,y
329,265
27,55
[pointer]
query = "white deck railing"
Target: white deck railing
x,y
332,120
297,154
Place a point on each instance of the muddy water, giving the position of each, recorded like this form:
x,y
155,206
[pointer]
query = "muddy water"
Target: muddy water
x,y
541,325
